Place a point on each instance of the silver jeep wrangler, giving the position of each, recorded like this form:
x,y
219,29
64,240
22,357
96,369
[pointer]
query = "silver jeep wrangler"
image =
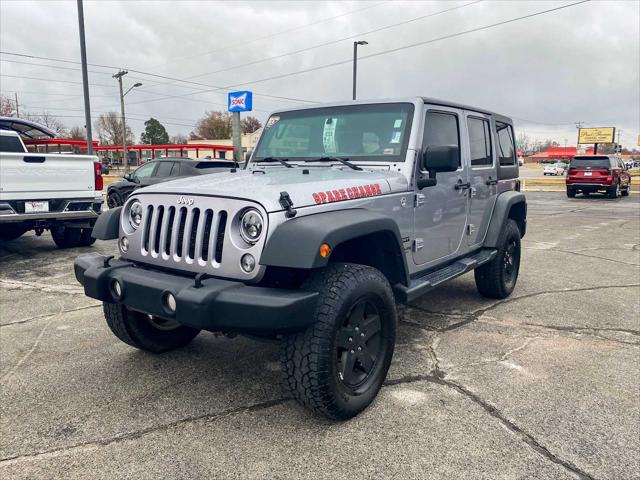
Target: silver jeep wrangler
x,y
343,211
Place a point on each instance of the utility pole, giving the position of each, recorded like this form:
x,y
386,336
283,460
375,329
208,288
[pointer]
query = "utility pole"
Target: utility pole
x,y
125,157
355,63
619,132
85,79
17,108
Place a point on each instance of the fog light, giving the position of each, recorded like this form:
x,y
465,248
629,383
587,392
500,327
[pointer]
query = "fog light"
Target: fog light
x,y
248,263
116,288
124,244
170,302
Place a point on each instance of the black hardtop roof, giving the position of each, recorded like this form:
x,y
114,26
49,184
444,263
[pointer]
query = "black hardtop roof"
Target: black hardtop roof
x,y
443,103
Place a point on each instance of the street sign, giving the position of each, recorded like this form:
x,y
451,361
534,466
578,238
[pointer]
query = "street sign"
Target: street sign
x,y
240,101
596,135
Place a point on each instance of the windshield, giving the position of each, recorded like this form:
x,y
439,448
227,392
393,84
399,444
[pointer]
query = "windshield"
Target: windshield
x,y
373,132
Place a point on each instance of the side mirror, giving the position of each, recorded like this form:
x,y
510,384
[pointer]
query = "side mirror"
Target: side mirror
x,y
445,158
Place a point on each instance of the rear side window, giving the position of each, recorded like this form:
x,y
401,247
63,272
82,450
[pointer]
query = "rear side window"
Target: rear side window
x,y
175,171
164,169
479,141
10,144
441,129
590,162
506,149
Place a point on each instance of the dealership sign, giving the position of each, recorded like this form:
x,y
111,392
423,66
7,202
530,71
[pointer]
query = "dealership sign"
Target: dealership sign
x,y
596,135
240,101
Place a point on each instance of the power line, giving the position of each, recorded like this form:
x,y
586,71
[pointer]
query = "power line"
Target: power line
x,y
281,32
385,52
155,75
332,42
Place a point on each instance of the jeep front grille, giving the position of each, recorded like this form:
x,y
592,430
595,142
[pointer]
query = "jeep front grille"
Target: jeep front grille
x,y
184,234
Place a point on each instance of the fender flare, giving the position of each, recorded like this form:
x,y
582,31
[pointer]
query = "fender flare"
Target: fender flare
x,y
107,226
504,203
296,243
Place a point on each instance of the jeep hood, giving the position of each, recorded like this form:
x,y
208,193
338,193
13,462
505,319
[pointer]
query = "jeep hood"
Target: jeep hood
x,y
319,185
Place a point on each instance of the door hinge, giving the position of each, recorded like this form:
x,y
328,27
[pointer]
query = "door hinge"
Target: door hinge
x,y
418,243
419,200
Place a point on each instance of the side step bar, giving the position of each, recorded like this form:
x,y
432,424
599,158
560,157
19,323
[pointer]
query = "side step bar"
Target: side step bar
x,y
421,285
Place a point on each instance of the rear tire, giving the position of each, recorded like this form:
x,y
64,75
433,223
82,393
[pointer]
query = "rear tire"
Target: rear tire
x,y
11,232
65,237
86,240
337,365
571,193
139,331
614,192
498,278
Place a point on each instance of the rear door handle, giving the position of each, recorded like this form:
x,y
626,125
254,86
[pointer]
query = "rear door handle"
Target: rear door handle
x,y
462,186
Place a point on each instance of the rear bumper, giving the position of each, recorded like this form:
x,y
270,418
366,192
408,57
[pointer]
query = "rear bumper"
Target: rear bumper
x,y
27,217
580,185
217,305
13,211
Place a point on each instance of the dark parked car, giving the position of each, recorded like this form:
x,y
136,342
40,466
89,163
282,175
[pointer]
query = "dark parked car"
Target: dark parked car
x,y
156,171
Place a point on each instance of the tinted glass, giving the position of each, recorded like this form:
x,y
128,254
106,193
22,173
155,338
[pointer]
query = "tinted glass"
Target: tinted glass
x,y
374,132
164,169
506,149
177,168
10,144
479,141
145,170
590,162
441,129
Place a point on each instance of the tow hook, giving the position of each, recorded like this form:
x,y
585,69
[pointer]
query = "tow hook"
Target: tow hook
x,y
287,204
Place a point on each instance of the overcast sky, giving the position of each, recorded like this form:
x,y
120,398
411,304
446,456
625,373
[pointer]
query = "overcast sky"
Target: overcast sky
x,y
579,63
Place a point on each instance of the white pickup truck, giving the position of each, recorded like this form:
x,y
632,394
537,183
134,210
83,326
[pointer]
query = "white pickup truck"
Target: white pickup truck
x,y
57,192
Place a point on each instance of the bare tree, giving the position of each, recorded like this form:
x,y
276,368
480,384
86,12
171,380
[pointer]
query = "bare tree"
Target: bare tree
x,y
178,139
213,126
109,129
250,124
7,107
77,133
48,120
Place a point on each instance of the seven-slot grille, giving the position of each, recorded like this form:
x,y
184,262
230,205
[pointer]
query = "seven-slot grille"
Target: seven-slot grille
x,y
184,234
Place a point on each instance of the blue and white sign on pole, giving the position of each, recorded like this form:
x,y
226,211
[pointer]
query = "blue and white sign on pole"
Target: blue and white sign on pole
x,y
240,101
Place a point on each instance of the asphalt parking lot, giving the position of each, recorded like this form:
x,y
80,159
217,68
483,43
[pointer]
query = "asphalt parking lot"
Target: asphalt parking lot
x,y
542,385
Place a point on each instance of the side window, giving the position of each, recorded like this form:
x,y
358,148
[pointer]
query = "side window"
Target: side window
x,y
506,149
177,167
441,129
145,170
10,144
479,142
164,169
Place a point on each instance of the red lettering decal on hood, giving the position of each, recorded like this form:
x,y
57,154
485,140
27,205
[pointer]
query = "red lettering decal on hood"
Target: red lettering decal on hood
x,y
338,195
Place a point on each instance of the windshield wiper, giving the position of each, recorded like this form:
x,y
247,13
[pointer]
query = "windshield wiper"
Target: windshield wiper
x,y
283,161
344,161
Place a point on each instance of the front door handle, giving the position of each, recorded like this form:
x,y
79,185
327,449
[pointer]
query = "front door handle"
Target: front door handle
x,y
491,181
462,186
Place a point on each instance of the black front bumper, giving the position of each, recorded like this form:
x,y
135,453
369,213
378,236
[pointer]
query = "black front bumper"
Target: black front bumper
x,y
218,305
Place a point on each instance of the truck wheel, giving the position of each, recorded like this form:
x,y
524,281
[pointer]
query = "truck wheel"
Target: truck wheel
x,y
614,192
571,193
86,240
497,278
625,192
11,232
150,334
65,237
337,365
114,200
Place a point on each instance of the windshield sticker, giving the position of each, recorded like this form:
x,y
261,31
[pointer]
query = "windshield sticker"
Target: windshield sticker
x,y
388,151
329,135
350,193
395,137
272,121
397,123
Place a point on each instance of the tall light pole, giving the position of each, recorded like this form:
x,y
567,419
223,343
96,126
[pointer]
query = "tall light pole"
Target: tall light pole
x,y
125,156
355,63
85,79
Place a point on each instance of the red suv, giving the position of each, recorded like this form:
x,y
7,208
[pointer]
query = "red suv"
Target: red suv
x,y
598,173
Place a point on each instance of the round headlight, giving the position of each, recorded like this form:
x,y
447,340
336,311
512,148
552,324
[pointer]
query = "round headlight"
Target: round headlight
x,y
251,226
135,214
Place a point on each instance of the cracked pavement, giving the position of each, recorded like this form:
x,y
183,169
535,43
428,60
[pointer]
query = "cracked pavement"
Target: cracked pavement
x,y
544,384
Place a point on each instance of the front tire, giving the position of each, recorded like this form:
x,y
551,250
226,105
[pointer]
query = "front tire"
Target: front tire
x,y
338,364
497,278
150,334
114,200
625,192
